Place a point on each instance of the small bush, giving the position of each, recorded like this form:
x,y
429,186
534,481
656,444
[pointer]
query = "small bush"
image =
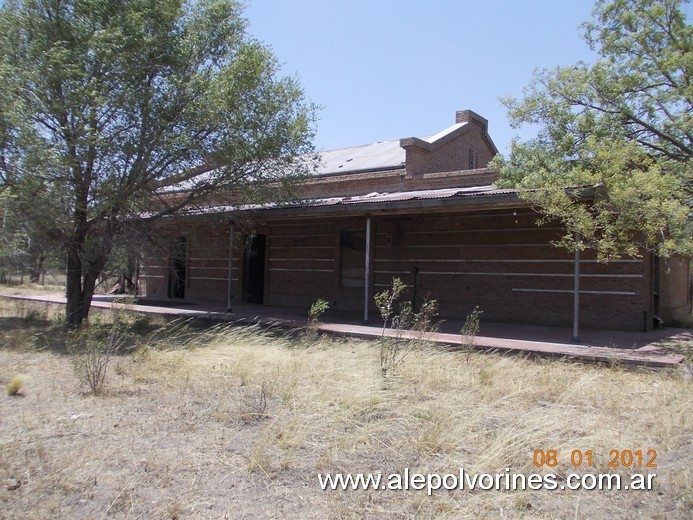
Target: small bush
x,y
470,329
394,350
314,314
141,323
253,405
91,349
122,309
15,386
32,316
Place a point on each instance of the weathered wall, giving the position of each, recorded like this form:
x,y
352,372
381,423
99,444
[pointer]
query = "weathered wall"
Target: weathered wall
x,y
466,148
206,273
469,151
498,260
301,262
674,288
505,264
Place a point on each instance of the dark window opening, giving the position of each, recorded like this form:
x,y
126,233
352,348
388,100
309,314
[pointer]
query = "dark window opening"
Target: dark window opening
x,y
352,269
177,268
254,269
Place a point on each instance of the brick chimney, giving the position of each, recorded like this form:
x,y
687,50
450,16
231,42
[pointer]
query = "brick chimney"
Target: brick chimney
x,y
466,116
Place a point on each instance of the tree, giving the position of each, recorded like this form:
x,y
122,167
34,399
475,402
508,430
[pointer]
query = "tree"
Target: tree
x,y
24,249
612,159
129,110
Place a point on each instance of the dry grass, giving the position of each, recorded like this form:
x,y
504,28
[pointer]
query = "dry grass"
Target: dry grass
x,y
14,387
676,345
239,423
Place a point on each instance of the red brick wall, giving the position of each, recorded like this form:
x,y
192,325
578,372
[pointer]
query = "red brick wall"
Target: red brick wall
x,y
499,260
468,151
302,262
354,184
207,249
674,288
504,264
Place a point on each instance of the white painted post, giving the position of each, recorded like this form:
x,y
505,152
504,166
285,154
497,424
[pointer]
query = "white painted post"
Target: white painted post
x,y
576,292
367,276
229,287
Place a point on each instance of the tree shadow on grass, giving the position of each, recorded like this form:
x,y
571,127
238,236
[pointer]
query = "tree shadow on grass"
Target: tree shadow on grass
x,y
33,333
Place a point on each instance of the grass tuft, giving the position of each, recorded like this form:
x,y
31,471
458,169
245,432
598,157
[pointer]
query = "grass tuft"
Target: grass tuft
x,y
14,387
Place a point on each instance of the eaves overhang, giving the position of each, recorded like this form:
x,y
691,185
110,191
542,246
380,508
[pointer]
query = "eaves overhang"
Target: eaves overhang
x,y
423,202
424,206
411,202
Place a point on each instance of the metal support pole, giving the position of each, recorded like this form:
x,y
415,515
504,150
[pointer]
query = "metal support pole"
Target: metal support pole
x,y
367,275
576,292
229,287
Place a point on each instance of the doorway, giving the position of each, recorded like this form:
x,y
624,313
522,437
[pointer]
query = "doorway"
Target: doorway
x,y
254,269
176,268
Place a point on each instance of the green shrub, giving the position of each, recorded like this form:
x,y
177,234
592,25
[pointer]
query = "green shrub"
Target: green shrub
x,y
314,314
470,329
402,317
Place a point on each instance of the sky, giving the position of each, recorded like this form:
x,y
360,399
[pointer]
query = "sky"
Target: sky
x,y
388,69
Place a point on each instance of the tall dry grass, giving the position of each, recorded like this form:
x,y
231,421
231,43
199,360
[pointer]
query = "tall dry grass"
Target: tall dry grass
x,y
239,422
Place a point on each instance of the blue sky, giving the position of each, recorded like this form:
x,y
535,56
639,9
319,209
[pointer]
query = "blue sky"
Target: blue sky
x,y
387,69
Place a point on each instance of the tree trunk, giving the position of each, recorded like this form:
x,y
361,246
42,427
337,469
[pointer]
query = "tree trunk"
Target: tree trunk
x,y
76,310
130,274
38,259
80,285
34,276
84,266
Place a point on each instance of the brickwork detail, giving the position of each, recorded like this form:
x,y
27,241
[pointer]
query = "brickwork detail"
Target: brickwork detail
x,y
486,254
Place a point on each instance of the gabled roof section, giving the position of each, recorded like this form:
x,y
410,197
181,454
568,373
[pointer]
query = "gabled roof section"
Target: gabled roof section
x,y
463,121
392,155
434,141
383,155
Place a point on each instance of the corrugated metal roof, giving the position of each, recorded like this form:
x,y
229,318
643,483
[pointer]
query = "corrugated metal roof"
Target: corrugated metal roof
x,y
370,198
442,193
374,156
381,155
413,195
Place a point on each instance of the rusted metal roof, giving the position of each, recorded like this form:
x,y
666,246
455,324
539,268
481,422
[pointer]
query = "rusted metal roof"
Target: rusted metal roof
x,y
443,193
373,198
370,198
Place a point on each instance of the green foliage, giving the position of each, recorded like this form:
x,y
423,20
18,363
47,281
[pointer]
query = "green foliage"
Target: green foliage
x,y
401,316
619,133
385,300
106,105
25,248
317,309
470,329
141,323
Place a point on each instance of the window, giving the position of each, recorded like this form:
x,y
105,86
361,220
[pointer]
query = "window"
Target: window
x,y
177,264
352,269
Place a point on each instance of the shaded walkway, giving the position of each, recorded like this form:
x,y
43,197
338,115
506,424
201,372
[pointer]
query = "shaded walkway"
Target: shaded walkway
x,y
632,348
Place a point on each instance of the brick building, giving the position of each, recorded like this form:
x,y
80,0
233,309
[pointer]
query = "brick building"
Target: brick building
x,y
424,210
